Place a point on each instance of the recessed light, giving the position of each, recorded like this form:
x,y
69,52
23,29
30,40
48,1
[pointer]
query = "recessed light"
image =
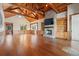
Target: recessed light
x,y
46,5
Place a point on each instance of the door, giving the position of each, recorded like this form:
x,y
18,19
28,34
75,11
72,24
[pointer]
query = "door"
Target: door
x,y
75,27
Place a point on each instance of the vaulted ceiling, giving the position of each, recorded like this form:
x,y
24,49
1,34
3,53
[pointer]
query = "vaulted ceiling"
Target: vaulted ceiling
x,y
32,11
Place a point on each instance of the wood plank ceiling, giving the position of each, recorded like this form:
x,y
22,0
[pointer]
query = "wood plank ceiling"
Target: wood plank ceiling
x,y
34,11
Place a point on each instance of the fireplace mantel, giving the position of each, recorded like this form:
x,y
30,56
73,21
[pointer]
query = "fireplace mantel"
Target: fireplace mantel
x,y
49,26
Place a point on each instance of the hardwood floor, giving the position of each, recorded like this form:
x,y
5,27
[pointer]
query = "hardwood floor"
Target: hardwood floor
x,y
37,45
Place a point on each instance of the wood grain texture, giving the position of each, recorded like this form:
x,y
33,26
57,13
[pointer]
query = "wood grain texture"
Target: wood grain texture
x,y
27,44
62,28
36,11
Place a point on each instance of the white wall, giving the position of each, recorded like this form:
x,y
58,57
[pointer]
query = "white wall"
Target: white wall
x,y
50,14
62,14
2,15
72,9
18,21
2,27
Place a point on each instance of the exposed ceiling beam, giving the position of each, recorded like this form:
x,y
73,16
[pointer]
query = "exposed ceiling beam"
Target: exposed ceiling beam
x,y
20,8
29,14
31,9
53,7
20,14
35,10
21,11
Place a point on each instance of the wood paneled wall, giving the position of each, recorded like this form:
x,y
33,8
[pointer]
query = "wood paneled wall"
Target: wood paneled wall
x,y
62,28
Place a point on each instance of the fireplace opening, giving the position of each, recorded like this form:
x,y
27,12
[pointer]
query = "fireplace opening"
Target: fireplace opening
x,y
49,32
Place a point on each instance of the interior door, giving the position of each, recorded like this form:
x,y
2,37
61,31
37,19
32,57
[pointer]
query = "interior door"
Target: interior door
x,y
75,27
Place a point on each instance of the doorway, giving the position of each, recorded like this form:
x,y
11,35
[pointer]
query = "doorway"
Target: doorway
x,y
8,28
75,27
9,35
